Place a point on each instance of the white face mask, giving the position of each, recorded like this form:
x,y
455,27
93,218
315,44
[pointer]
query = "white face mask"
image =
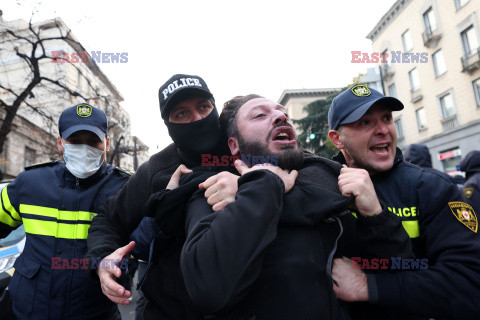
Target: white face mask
x,y
82,160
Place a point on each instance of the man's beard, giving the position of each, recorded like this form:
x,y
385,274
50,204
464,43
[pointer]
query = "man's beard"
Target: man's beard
x,y
289,158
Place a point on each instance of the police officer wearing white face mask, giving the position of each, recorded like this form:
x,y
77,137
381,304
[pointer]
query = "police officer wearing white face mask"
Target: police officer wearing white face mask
x,y
83,139
56,202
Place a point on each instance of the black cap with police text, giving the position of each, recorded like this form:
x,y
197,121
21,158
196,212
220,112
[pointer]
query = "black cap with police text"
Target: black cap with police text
x,y
350,105
181,87
82,117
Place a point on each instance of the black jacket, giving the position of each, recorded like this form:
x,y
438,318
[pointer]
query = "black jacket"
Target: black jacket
x,y
471,188
265,256
431,211
121,215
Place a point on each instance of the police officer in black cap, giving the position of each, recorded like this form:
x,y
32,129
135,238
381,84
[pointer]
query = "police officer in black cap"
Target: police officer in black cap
x,y
56,202
188,110
444,281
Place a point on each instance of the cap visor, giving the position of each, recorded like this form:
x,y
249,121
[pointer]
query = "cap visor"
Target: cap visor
x,y
185,94
67,133
390,102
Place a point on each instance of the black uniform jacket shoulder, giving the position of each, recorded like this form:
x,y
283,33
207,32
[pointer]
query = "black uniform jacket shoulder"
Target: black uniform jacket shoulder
x,y
123,212
444,280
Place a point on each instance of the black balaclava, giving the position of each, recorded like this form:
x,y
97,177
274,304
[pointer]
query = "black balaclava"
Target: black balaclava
x,y
197,137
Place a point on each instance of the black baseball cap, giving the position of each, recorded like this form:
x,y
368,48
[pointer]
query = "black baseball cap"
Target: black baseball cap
x,y
350,105
83,117
181,87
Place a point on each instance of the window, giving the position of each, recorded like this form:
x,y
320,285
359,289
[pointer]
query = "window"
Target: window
x,y
407,41
392,90
29,157
450,159
469,40
439,63
460,3
447,105
476,90
399,127
414,80
421,119
430,21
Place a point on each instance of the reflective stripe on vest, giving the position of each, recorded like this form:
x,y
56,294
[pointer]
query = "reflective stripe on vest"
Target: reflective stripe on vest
x,y
8,214
56,223
412,227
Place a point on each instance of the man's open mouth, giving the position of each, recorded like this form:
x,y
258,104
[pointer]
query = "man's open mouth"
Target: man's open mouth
x,y
381,149
283,134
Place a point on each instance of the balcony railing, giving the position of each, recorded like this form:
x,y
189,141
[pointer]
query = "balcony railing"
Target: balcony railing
x,y
471,61
449,123
416,95
387,71
431,38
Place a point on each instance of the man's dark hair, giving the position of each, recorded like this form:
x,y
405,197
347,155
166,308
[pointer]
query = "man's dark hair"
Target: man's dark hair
x,y
227,124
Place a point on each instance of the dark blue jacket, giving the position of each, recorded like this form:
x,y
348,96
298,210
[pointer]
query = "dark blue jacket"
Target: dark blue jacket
x,y
56,208
471,188
434,214
420,155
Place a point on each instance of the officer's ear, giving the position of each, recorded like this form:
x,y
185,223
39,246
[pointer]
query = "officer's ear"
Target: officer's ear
x,y
107,146
334,135
233,145
59,144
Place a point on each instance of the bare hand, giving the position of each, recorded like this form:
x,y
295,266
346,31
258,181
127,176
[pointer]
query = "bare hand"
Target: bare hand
x,y
175,179
220,189
352,282
287,177
357,182
111,271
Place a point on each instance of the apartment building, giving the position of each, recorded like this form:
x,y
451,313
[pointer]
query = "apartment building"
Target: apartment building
x,y
295,99
431,51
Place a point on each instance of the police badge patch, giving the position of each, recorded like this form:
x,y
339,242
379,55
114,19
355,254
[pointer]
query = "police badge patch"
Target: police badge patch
x,y
84,110
465,214
361,90
468,192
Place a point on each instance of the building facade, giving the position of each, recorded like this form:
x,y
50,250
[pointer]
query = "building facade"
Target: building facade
x,y
33,136
295,99
432,64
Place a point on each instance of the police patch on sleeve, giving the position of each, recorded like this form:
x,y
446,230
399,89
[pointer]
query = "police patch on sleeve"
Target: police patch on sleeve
x,y
465,214
468,192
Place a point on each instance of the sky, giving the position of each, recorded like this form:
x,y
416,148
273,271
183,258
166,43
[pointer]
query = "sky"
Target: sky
x,y
237,47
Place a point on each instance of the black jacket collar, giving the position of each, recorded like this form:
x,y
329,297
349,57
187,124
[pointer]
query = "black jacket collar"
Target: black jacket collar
x,y
398,158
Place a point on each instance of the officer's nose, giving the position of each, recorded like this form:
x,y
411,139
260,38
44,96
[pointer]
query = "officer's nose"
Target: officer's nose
x,y
381,128
196,116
